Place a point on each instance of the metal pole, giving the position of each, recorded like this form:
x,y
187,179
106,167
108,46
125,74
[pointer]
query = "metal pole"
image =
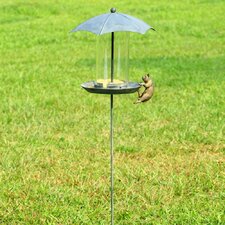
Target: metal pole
x,y
111,134
112,56
111,160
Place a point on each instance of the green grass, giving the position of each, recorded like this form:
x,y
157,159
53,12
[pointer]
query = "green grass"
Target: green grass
x,y
54,136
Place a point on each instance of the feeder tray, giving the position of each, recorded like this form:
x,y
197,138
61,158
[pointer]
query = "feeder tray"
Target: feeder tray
x,y
111,88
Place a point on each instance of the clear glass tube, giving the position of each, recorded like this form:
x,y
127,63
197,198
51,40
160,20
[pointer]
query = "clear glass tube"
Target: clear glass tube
x,y
120,62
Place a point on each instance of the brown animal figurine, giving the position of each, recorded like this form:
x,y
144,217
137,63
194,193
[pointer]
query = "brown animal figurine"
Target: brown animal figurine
x,y
148,92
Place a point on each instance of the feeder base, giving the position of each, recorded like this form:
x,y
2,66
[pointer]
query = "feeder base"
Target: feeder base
x,y
130,87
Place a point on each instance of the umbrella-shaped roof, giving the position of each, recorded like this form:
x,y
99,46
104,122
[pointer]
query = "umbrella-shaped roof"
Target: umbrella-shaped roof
x,y
112,22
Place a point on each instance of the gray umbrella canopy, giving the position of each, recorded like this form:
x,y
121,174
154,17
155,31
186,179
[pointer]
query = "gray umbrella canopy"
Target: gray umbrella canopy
x,y
112,22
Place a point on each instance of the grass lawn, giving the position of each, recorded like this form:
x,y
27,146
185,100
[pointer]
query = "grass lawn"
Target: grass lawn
x,y
54,136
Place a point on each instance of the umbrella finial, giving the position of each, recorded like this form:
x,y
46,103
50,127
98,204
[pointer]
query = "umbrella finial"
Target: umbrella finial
x,y
113,10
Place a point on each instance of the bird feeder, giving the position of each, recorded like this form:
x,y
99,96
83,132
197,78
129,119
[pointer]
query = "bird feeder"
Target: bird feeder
x,y
112,63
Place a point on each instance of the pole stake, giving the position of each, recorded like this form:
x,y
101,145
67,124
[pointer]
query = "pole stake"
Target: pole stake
x,y
111,161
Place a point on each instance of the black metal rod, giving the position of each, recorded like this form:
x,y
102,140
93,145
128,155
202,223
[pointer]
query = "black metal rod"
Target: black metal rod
x,y
111,161
112,56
